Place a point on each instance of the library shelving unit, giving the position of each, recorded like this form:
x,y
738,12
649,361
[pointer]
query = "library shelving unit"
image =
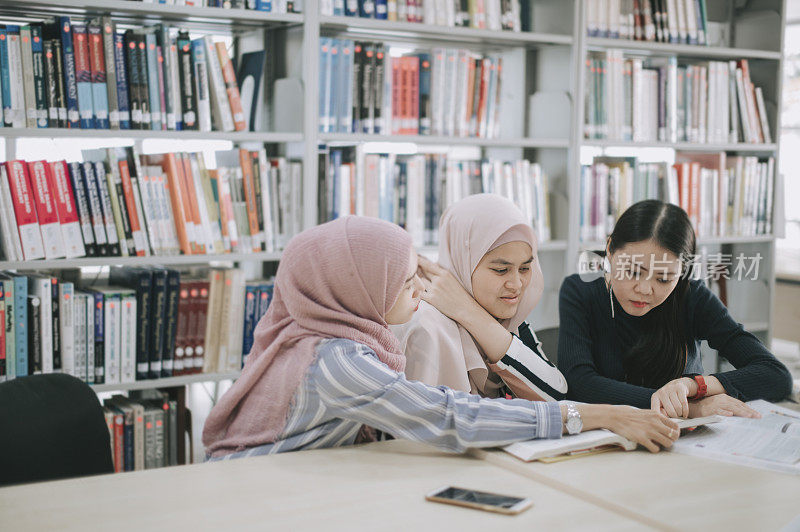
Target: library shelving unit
x,y
547,60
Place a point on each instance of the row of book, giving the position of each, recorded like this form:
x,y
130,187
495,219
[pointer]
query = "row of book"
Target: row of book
x,y
450,92
144,323
668,21
274,6
143,430
88,75
413,191
509,15
723,196
120,203
660,100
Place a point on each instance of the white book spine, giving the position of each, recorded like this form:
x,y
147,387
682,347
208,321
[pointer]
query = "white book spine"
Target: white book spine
x,y
220,105
111,337
42,289
128,338
90,337
79,335
8,222
67,327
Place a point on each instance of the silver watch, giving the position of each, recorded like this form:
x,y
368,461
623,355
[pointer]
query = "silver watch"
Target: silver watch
x,y
574,422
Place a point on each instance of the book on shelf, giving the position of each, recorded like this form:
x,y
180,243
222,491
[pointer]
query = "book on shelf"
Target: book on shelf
x,y
268,6
585,443
479,14
119,203
443,91
141,323
660,100
413,191
723,195
83,72
665,21
770,442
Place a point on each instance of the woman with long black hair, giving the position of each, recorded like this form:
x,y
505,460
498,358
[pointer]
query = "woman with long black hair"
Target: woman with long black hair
x,y
632,335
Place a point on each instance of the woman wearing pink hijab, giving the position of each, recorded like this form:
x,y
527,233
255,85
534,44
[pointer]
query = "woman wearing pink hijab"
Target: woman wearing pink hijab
x,y
488,281
325,367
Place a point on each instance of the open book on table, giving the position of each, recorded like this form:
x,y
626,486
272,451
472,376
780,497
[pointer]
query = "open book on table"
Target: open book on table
x,y
587,441
772,442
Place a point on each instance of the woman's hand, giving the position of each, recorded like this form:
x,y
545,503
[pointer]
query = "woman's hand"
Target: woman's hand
x,y
721,404
672,399
650,429
443,291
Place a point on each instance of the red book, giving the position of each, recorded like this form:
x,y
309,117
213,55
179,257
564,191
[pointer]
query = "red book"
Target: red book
x,y
231,87
413,90
68,215
46,211
397,117
133,215
25,210
119,457
201,302
405,96
182,325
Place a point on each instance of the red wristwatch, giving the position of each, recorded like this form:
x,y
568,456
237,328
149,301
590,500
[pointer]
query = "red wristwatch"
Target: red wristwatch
x,y
701,387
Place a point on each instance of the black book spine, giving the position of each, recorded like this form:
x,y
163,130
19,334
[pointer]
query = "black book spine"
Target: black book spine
x,y
34,335
357,82
57,363
157,313
82,205
133,80
173,433
97,172
61,94
39,79
99,337
123,209
144,89
186,71
51,84
170,321
96,212
377,90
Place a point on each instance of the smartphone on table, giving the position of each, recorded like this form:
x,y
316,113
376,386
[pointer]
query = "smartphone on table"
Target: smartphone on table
x,y
481,500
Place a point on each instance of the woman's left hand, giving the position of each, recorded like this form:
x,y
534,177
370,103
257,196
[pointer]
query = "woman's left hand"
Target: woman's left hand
x,y
673,398
443,291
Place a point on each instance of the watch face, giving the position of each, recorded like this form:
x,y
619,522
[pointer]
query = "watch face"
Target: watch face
x,y
574,425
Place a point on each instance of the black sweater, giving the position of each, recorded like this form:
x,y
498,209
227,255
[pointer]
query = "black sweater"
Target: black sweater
x,y
591,344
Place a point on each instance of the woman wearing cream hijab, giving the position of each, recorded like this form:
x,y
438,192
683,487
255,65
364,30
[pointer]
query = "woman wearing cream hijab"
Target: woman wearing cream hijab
x,y
470,332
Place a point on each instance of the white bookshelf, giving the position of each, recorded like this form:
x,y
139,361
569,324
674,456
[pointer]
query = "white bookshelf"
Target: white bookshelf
x,y
550,58
166,382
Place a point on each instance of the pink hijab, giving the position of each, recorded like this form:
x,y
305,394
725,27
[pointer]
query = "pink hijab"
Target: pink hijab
x,y
336,280
438,350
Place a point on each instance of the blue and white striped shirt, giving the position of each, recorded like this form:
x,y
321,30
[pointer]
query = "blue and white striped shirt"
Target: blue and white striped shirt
x,y
347,386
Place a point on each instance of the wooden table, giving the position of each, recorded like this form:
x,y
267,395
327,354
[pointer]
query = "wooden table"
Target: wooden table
x,y
676,491
379,486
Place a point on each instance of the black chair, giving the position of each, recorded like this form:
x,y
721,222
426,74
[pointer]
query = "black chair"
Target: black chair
x,y
51,427
549,339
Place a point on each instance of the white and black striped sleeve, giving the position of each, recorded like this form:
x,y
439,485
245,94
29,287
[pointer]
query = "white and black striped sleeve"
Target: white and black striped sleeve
x,y
527,372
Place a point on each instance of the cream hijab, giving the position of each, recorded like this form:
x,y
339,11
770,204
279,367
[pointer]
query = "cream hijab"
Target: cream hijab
x,y
438,350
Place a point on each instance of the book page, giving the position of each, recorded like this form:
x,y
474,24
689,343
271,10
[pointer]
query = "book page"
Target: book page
x,y
772,442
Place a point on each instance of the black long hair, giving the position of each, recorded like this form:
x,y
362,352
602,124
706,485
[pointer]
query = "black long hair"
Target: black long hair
x,y
660,354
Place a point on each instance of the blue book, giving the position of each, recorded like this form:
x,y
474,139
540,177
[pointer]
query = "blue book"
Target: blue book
x,y
425,111
5,79
350,8
250,305
99,338
265,291
263,5
336,164
99,89
21,323
83,76
347,53
337,82
152,80
325,87
381,10
338,8
366,8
